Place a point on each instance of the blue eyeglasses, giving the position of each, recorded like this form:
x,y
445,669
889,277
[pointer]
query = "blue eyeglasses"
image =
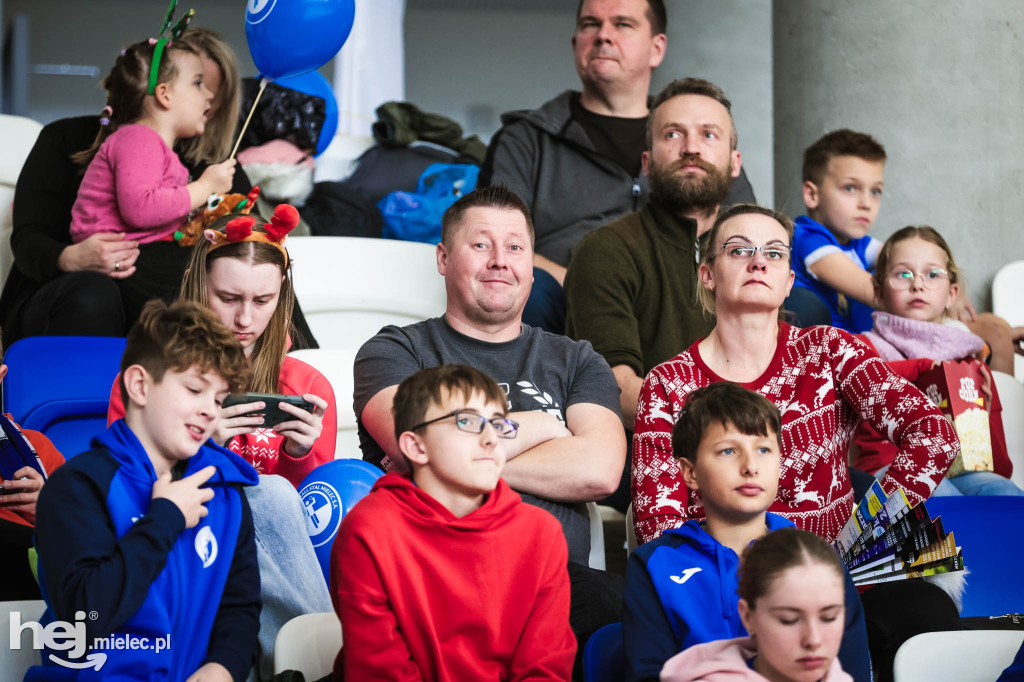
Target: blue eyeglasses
x,y
470,422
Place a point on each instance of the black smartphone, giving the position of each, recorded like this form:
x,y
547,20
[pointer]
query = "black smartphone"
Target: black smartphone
x,y
272,414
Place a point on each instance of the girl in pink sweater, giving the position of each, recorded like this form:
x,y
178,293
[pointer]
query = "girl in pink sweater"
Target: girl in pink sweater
x,y
791,603
134,183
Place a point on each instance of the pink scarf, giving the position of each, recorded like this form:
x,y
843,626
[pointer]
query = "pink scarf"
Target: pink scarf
x,y
900,338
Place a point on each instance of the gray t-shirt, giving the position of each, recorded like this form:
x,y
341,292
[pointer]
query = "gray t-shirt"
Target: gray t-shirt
x,y
537,370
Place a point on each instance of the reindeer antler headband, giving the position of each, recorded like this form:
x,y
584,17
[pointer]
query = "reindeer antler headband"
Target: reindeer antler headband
x,y
284,220
164,39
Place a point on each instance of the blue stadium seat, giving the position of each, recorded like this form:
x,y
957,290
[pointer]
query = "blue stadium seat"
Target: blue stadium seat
x,y
987,528
60,385
603,660
328,493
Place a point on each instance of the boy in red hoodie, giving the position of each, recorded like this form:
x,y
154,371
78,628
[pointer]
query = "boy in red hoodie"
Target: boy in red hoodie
x,y
441,572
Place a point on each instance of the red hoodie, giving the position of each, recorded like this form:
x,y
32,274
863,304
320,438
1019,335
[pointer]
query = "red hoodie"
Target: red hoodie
x,y
424,595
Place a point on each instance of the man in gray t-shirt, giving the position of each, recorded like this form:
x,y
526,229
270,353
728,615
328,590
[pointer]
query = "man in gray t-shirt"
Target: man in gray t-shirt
x,y
561,391
571,445
539,371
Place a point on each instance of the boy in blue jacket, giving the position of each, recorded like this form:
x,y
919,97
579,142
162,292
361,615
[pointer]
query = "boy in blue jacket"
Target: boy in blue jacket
x,y
681,587
146,546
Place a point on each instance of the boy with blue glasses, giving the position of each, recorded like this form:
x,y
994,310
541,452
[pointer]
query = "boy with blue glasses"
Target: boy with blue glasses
x,y
441,572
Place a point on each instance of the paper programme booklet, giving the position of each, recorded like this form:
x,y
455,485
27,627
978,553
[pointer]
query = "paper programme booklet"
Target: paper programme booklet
x,y
886,539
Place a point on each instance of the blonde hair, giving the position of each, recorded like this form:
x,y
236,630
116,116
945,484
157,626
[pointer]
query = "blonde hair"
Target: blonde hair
x,y
924,232
215,143
270,348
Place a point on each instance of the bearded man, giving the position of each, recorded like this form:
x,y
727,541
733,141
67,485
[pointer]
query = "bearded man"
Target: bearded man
x,y
631,285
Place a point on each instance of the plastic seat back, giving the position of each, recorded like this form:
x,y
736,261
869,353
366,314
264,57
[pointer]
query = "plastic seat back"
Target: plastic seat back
x,y
961,655
17,136
60,385
603,659
328,493
309,644
1011,396
336,365
1008,304
350,287
16,662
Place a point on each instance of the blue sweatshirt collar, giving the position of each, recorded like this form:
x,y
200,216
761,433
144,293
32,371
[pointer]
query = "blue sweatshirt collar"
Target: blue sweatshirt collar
x,y
124,446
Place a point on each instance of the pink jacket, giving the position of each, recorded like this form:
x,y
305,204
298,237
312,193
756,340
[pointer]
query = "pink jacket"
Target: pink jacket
x,y
135,184
726,661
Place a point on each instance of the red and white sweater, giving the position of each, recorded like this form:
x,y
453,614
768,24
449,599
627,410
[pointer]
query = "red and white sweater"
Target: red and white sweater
x,y
823,380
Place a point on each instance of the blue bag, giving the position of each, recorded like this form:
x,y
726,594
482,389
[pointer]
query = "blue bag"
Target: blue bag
x,y
416,216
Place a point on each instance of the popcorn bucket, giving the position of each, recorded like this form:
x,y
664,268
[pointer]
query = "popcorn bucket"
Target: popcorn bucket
x,y
955,387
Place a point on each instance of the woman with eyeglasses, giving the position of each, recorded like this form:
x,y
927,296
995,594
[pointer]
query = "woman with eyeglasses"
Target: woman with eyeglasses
x,y
822,379
917,282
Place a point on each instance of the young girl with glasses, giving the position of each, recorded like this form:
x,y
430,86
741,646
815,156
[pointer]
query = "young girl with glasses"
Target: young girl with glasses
x,y
917,283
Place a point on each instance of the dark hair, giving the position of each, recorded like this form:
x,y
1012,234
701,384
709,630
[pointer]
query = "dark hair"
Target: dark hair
x,y
180,336
928,234
269,350
705,297
764,559
495,196
727,404
127,85
839,143
657,17
430,386
692,86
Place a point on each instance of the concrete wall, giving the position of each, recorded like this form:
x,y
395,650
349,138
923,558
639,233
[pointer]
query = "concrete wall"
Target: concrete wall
x,y
942,90
473,63
729,42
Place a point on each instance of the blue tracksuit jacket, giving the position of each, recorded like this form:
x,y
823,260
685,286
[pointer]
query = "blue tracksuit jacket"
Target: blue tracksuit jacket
x,y
681,591
123,566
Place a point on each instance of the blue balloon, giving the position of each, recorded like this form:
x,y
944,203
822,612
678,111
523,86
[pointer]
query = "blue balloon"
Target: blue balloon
x,y
329,492
313,83
290,37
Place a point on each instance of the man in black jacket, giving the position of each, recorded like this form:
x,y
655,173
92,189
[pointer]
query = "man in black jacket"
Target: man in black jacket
x,y
575,161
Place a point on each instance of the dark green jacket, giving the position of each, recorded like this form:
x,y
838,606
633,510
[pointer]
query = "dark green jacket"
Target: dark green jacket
x,y
631,289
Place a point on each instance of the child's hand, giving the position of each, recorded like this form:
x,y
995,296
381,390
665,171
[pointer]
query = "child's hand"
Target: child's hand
x,y
234,422
301,433
1017,336
218,177
210,672
27,483
986,385
186,494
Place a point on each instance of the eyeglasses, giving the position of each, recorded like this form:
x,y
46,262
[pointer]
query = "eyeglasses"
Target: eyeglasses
x,y
742,251
470,422
905,277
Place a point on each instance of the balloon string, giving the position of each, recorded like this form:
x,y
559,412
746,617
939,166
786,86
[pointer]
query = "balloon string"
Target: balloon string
x,y
263,85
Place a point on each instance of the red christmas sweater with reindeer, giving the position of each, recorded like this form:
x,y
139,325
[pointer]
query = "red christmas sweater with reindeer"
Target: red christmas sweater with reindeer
x,y
823,381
